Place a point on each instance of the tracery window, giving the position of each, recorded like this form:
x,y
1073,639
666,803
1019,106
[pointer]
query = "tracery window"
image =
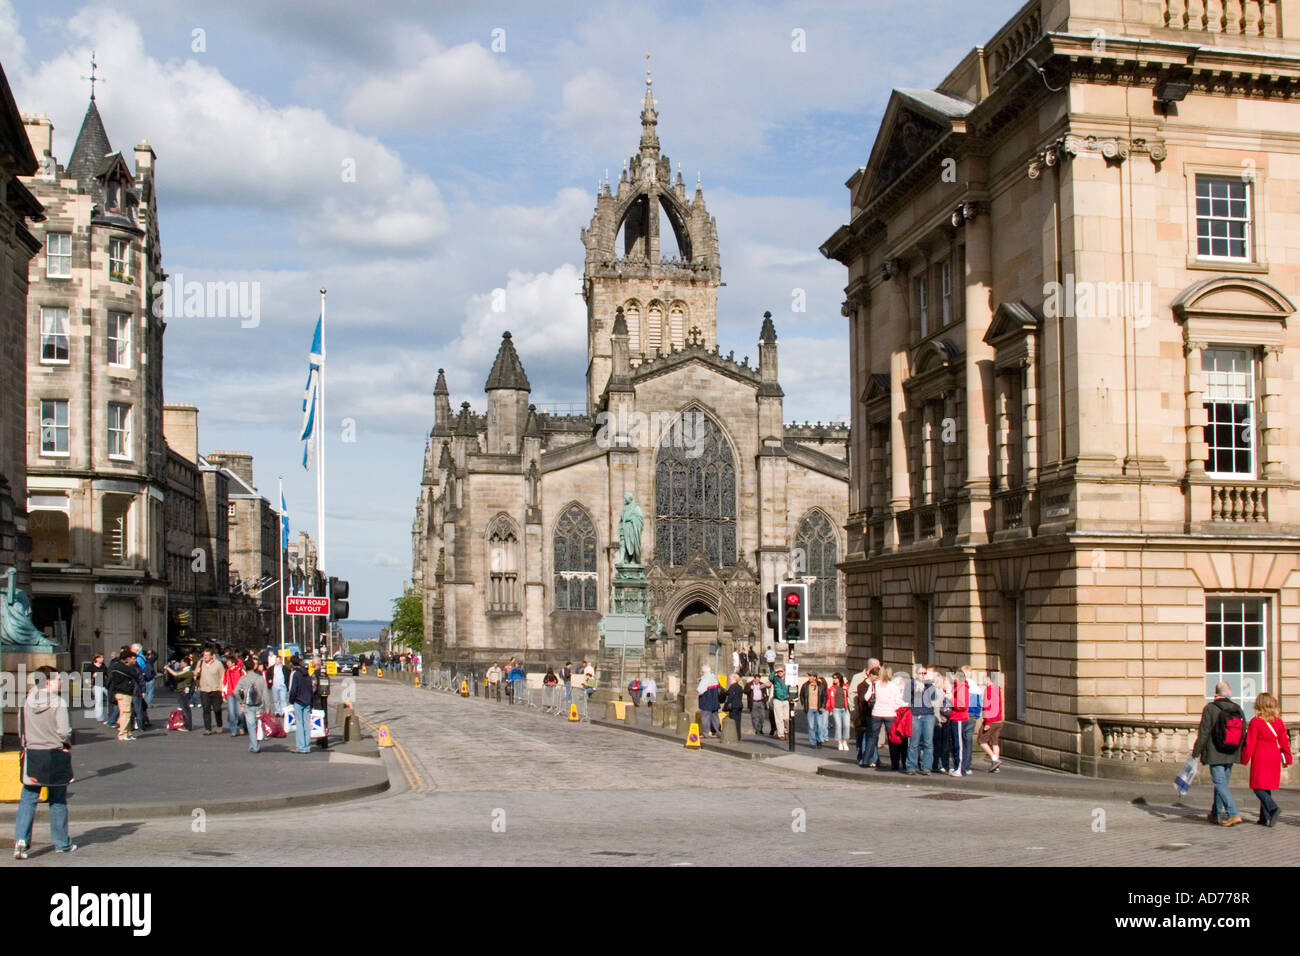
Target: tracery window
x,y
503,573
816,539
695,493
574,547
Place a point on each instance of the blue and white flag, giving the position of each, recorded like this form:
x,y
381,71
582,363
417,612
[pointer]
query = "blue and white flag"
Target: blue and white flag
x,y
308,435
284,525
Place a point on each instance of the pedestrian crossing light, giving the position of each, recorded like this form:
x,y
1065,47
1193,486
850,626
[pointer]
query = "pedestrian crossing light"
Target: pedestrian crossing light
x,y
773,616
338,599
792,599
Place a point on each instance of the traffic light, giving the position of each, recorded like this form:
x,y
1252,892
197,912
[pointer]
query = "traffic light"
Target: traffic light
x,y
773,618
338,599
793,602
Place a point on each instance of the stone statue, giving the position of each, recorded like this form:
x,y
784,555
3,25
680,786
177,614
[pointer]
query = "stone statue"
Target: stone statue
x,y
16,627
630,523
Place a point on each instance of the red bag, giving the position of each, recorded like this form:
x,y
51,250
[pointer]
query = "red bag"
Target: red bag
x,y
902,729
176,720
272,726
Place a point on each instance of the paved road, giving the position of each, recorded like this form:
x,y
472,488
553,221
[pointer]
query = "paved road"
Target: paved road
x,y
503,785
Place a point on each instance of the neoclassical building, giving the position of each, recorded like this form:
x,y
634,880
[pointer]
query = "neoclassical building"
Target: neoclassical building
x,y
515,532
1072,279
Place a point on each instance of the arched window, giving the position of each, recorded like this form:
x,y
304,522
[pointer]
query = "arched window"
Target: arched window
x,y
816,539
575,561
503,565
654,337
677,324
632,316
695,493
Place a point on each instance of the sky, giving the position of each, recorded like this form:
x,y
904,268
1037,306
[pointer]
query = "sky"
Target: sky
x,y
413,157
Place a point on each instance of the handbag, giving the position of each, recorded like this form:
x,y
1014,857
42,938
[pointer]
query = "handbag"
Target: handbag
x,y
42,768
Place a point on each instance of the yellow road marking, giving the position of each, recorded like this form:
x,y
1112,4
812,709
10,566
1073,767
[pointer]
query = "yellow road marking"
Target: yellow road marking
x,y
413,778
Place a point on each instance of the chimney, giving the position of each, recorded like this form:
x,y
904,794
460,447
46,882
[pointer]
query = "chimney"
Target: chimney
x,y
40,131
239,462
181,430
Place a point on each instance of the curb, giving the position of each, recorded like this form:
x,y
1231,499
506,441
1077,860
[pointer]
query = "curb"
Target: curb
x,y
96,812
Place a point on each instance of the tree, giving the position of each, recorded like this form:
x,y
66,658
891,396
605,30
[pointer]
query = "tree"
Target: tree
x,y
407,626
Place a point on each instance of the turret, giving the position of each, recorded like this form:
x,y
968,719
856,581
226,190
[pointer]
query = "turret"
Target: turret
x,y
507,390
441,406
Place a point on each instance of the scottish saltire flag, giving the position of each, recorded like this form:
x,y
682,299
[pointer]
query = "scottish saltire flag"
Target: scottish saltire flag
x,y
308,435
284,524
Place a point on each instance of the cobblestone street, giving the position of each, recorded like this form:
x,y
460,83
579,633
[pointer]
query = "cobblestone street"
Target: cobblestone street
x,y
496,784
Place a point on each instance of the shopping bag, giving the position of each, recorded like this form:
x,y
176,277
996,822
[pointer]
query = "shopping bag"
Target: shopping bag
x,y
1183,782
270,725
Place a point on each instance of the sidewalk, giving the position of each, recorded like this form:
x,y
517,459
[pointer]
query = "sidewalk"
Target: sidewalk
x,y
1012,778
166,773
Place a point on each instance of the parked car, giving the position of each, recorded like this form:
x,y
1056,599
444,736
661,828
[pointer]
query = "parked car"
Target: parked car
x,y
348,662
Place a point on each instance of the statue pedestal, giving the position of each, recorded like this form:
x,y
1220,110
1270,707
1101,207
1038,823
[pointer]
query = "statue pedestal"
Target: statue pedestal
x,y
625,625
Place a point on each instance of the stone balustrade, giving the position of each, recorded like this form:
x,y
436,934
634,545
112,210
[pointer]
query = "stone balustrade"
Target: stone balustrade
x,y
1238,503
1232,17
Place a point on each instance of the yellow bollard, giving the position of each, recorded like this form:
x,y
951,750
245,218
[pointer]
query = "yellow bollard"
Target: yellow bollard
x,y
385,740
11,787
693,737
379,672
464,688
573,712
363,669
417,680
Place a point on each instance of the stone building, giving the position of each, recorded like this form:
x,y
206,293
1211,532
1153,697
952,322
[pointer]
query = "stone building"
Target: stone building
x,y
96,461
17,246
253,543
515,532
1072,273
304,577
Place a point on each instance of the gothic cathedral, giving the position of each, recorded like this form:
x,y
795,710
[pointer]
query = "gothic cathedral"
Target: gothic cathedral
x,y
516,526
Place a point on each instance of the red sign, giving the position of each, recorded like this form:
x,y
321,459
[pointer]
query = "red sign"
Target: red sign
x,y
297,604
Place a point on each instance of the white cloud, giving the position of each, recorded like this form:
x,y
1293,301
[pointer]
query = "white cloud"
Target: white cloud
x,y
13,48
381,560
444,86
221,145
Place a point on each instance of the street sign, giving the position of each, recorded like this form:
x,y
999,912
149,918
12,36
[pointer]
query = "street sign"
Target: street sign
x,y
792,674
624,630
298,604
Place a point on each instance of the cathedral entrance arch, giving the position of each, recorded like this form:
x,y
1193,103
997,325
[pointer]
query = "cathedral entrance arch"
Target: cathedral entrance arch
x,y
705,627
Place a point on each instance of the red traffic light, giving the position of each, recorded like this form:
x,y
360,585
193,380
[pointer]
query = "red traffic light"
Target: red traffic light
x,y
792,598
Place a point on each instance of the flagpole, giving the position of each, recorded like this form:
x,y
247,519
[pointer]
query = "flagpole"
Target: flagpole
x,y
320,457
283,592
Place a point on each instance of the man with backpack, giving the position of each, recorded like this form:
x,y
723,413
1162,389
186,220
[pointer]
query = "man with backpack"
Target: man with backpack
x,y
251,693
1218,745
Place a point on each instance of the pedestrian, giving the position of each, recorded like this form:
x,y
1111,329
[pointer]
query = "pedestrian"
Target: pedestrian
x,y
150,677
98,675
123,679
707,690
229,681
278,675
838,703
588,679
1267,751
735,660
758,692
494,681
735,702
139,709
649,690
517,680
961,722
943,748
45,736
182,673
991,713
780,703
889,699
864,701
812,698
1219,737
251,693
634,689
210,675
922,697
566,675
551,683
753,661
769,656
300,697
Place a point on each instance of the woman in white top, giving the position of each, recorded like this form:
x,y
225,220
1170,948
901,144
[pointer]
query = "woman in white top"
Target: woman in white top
x,y
889,697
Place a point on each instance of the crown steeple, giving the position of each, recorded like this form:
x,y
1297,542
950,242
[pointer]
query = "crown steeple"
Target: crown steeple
x,y
649,119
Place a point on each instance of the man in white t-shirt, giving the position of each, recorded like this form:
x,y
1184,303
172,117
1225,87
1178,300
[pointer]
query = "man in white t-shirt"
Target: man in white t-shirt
x,y
769,655
494,680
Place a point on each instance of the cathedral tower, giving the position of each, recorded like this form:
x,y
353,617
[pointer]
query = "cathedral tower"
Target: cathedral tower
x,y
662,298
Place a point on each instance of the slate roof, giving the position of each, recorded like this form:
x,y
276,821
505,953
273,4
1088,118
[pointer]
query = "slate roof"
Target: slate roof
x,y
507,371
91,148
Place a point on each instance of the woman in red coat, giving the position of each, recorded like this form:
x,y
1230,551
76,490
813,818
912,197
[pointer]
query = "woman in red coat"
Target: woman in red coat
x,y
1267,750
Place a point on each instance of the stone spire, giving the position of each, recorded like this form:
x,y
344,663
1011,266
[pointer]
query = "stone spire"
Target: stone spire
x,y
507,370
91,147
441,406
768,332
649,118
465,422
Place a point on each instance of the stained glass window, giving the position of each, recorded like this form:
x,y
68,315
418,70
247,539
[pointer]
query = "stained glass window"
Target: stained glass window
x,y
695,493
575,561
816,539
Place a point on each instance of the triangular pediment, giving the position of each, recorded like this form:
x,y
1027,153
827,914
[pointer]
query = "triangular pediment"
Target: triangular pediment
x,y
1011,319
877,388
914,121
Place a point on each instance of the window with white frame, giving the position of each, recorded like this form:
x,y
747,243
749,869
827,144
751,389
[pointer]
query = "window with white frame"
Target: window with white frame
x,y
119,430
58,255
1236,647
54,336
921,303
119,260
119,339
47,523
1229,411
54,426
945,292
1223,218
